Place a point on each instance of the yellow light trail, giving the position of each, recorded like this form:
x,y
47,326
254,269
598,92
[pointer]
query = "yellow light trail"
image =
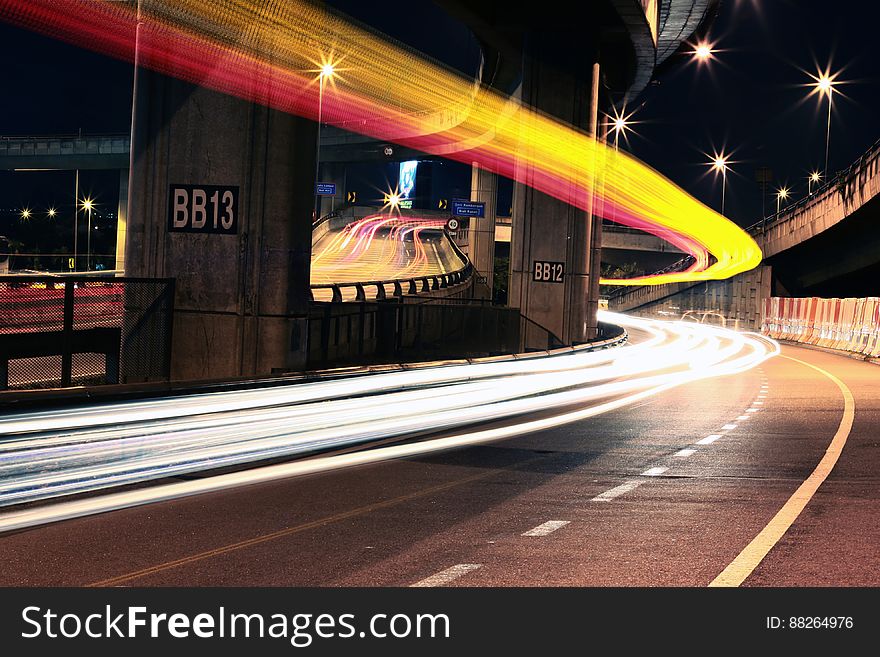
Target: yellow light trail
x,y
269,51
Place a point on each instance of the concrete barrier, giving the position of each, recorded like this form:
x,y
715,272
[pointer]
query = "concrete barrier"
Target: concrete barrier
x,y
851,325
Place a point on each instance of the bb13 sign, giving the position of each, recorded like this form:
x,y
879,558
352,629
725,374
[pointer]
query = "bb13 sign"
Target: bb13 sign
x,y
203,209
545,271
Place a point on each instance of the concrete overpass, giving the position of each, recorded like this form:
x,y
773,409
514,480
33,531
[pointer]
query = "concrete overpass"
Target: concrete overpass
x,y
189,142
826,244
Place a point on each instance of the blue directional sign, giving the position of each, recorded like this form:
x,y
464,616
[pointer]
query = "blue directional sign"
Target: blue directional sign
x,y
325,189
468,209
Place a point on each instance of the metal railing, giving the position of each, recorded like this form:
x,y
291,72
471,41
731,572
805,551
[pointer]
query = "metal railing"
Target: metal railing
x,y
58,332
401,287
373,332
414,286
830,184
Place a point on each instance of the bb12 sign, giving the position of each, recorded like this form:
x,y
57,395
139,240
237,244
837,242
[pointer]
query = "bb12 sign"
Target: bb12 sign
x,y
545,271
203,209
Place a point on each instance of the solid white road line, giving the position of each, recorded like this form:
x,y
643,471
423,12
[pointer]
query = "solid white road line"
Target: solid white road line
x,y
708,440
685,452
445,576
654,472
728,427
753,553
546,528
617,491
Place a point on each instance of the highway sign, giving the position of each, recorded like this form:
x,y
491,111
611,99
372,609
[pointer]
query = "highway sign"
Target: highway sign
x,y
545,271
452,224
325,189
468,209
203,209
351,197
442,204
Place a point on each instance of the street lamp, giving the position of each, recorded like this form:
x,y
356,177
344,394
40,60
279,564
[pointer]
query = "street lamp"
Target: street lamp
x,y
51,213
814,177
26,213
619,123
719,164
326,72
392,200
781,195
87,204
824,86
702,51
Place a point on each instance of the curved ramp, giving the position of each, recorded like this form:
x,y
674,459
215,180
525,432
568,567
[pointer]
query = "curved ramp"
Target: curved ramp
x,y
381,248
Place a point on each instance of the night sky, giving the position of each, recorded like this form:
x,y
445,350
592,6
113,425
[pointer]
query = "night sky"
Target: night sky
x,y
748,101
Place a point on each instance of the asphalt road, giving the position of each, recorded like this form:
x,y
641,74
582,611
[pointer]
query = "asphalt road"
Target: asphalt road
x,y
609,501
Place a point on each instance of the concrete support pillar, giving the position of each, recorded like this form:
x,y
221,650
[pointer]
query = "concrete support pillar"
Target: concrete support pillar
x,y
564,83
481,230
333,172
242,298
121,220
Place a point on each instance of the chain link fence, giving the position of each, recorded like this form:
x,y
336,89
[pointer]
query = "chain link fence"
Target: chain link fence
x,y
65,331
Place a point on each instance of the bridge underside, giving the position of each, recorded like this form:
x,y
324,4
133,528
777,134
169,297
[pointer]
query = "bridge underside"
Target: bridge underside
x,y
842,261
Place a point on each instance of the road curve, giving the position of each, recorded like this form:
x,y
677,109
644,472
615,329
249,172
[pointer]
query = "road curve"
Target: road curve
x,y
669,490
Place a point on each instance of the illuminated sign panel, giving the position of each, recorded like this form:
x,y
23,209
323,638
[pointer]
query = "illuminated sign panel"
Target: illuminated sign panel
x,y
406,181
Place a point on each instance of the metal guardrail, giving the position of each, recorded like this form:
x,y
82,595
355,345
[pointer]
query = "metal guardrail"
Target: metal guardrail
x,y
834,182
72,135
415,285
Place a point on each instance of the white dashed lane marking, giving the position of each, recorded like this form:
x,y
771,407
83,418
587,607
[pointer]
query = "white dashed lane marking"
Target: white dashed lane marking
x,y
708,440
617,491
546,528
685,452
728,427
654,472
448,575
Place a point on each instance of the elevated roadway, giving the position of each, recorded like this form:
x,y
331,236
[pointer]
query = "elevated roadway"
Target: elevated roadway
x,y
667,491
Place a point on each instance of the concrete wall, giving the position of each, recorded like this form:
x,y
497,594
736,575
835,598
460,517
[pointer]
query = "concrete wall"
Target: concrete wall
x,y
738,300
241,300
549,229
826,208
481,230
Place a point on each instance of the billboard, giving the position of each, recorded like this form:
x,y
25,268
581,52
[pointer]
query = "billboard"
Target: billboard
x,y
406,181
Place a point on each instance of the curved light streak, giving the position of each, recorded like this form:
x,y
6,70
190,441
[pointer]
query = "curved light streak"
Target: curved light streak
x,y
268,52
89,449
382,248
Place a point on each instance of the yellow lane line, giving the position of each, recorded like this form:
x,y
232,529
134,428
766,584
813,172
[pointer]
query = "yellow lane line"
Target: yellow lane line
x,y
749,559
288,531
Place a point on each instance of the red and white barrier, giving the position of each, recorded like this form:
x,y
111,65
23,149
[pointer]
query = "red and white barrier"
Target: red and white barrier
x,y
847,324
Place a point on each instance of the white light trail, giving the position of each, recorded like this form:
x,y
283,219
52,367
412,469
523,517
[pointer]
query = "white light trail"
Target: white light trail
x,y
54,453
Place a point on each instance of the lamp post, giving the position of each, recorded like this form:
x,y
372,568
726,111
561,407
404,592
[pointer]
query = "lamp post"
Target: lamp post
x,y
76,223
326,72
719,164
814,177
824,86
781,195
87,205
